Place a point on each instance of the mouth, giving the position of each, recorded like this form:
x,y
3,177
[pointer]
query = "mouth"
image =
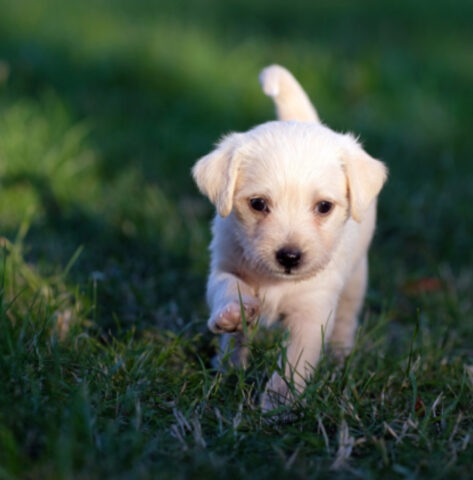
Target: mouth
x,y
290,273
296,274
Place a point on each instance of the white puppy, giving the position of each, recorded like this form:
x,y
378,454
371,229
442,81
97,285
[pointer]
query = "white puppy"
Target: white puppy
x,y
296,208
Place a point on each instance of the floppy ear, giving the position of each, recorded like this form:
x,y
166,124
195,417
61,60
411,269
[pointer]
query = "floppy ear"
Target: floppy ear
x,y
216,173
366,177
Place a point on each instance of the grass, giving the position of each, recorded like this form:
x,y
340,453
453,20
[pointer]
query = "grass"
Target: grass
x,y
104,354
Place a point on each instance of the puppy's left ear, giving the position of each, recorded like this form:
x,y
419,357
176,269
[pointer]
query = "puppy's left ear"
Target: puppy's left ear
x,y
366,177
216,173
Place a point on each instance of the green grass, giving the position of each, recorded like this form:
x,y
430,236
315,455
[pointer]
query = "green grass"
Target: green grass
x,y
104,355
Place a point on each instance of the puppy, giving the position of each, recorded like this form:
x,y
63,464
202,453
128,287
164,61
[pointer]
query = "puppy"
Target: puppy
x,y
296,208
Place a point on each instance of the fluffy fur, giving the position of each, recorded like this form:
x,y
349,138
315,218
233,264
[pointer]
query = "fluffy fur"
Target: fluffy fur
x,y
295,165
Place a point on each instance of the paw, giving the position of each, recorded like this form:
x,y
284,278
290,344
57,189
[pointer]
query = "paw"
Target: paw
x,y
228,319
340,353
276,394
341,348
232,353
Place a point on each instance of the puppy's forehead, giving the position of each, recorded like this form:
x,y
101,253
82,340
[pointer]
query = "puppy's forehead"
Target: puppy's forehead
x,y
293,153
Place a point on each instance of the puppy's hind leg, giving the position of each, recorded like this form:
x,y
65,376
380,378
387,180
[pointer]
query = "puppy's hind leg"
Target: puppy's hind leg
x,y
232,352
349,306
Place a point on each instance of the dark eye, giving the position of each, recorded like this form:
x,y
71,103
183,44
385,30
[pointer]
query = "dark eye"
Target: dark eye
x,y
324,207
259,204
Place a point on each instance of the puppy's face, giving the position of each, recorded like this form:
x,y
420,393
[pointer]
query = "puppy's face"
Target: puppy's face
x,y
290,203
291,188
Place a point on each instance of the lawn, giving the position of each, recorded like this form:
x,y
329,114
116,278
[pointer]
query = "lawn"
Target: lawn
x,y
104,353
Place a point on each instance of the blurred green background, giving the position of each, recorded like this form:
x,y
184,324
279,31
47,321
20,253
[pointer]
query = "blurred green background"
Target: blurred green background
x,y
105,106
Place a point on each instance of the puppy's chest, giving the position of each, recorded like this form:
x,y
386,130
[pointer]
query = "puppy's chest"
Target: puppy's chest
x,y
274,300
270,300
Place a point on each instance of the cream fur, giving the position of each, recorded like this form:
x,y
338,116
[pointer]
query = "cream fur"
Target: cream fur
x,y
293,165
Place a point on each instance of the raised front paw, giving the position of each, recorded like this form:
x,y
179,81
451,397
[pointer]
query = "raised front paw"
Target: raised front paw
x,y
228,319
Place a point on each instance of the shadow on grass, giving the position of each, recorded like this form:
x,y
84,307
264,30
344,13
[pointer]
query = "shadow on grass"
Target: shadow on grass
x,y
145,121
140,281
151,119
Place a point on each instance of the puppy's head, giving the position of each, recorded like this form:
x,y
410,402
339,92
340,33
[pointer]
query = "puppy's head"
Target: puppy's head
x,y
290,187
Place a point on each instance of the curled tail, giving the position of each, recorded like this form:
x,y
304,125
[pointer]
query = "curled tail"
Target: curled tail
x,y
291,102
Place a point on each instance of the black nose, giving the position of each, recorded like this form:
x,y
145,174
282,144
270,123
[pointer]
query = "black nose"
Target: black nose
x,y
288,257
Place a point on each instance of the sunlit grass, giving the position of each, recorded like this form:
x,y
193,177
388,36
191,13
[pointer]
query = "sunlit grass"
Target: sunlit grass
x,y
104,355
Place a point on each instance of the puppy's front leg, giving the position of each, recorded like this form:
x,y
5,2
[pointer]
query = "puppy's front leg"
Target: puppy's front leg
x,y
224,291
307,327
223,296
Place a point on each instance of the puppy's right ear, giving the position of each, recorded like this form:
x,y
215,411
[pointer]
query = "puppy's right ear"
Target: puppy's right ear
x,y
216,173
